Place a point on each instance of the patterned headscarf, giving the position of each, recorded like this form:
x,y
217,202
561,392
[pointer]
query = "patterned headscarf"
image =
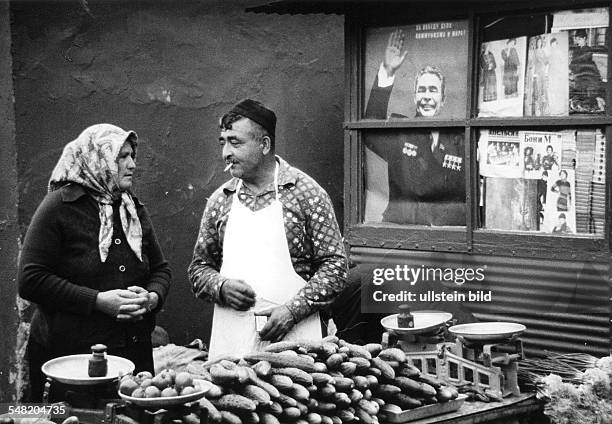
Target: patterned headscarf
x,y
91,161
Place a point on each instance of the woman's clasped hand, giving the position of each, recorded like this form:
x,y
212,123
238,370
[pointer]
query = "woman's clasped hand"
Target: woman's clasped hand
x,y
127,304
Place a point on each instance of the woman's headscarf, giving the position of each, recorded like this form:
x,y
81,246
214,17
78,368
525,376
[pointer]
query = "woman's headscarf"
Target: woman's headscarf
x,y
91,161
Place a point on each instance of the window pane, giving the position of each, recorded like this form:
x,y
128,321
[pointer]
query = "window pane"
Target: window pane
x,y
415,177
415,71
545,181
552,64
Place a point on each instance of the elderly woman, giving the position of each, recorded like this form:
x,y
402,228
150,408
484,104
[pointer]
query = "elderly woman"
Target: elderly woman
x,y
91,260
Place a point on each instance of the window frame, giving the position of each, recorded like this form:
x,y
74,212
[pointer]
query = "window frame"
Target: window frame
x,y
471,238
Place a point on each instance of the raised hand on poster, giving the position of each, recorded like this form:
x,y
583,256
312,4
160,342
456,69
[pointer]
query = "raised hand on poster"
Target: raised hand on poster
x,y
395,54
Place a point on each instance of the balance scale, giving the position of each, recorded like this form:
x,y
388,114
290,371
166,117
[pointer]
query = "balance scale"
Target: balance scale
x,y
88,398
483,354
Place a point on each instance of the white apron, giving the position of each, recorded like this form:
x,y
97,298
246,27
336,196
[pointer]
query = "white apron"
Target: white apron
x,y
255,250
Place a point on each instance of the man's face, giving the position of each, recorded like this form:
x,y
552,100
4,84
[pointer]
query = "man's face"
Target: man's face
x,y
242,149
428,95
579,41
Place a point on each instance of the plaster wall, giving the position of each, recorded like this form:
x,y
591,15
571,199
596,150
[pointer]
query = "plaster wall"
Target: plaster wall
x,y
168,70
12,334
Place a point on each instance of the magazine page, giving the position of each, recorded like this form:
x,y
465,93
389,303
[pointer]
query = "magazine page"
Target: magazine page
x,y
541,153
512,204
559,204
546,80
568,149
585,161
588,68
580,18
501,77
416,71
500,153
599,166
597,209
588,57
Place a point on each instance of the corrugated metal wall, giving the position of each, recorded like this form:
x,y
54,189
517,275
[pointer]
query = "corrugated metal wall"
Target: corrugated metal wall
x,y
565,305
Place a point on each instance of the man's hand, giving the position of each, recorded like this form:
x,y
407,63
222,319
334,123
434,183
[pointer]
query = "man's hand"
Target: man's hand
x,y
394,53
124,305
237,294
278,325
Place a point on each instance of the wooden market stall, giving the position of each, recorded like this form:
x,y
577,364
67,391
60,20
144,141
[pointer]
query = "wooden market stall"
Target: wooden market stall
x,y
498,208
475,168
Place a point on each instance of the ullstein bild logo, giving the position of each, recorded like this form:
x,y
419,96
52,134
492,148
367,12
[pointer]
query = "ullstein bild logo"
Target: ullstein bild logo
x,y
432,296
411,275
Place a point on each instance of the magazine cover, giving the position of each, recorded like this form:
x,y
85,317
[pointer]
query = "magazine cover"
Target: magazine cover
x,y
500,153
588,68
501,77
512,204
546,81
588,57
559,202
541,153
416,71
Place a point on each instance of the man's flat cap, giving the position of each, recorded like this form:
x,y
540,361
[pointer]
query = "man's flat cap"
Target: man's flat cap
x,y
256,112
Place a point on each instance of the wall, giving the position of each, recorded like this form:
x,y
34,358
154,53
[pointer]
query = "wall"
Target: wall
x,y
168,73
8,216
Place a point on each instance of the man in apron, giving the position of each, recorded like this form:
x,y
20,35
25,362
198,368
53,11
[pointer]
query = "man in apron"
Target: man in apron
x,y
269,252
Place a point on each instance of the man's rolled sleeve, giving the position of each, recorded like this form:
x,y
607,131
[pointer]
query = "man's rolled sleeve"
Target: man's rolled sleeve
x,y
203,271
329,259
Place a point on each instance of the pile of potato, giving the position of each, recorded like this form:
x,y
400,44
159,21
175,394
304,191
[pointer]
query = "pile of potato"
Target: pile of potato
x,y
167,383
323,382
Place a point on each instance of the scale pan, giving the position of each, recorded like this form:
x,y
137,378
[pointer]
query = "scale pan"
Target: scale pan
x,y
424,322
73,369
202,386
488,331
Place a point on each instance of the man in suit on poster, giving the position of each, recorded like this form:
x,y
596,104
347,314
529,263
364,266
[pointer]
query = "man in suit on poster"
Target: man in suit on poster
x,y
428,85
426,167
426,185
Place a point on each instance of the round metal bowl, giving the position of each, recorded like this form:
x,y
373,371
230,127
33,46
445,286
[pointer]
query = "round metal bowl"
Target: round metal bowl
x,y
73,369
202,386
424,322
487,331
